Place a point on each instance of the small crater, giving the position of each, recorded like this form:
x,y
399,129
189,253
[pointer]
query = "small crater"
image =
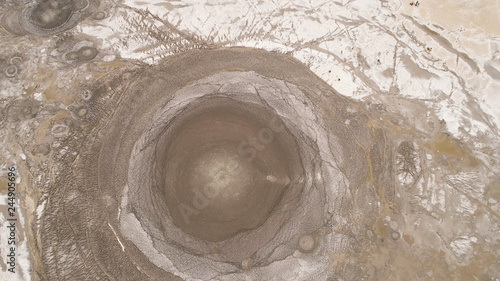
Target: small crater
x,y
59,130
77,111
306,243
99,15
395,235
16,60
80,111
11,71
51,14
87,53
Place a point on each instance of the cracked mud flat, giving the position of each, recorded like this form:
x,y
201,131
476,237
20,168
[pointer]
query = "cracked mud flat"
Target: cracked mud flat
x,y
148,147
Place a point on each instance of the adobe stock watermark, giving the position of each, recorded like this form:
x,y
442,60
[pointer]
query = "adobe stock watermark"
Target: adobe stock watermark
x,y
248,149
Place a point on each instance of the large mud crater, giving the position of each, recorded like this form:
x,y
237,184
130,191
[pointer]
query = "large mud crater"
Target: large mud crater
x,y
214,163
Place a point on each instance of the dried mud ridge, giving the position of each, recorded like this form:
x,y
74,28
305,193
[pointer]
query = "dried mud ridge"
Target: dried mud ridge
x,y
217,163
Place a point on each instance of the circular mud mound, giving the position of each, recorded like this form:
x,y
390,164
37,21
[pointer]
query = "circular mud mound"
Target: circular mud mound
x,y
49,17
214,164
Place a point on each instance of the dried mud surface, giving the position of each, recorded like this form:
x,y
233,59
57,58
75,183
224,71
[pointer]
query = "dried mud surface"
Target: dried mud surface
x,y
232,163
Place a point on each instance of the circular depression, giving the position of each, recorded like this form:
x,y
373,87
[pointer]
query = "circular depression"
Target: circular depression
x,y
51,14
49,17
224,166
